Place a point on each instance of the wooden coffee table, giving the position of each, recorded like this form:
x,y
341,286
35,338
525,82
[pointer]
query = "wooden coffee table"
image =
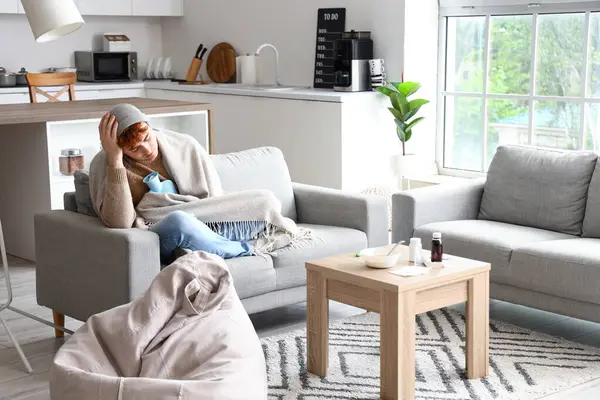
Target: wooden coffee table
x,y
398,300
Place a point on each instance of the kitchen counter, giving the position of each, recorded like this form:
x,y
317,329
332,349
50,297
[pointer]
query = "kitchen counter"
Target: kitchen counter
x,y
294,93
83,86
87,109
299,93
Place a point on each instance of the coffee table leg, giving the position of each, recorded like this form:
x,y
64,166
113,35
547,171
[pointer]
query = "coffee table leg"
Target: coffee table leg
x,y
398,327
478,326
317,323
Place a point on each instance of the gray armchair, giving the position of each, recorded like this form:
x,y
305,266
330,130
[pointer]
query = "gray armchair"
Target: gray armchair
x,y
84,268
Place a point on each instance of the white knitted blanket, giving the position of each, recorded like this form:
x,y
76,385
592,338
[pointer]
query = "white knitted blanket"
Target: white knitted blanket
x,y
201,194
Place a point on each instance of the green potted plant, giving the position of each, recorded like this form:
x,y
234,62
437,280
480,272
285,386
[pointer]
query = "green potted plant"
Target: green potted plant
x,y
404,109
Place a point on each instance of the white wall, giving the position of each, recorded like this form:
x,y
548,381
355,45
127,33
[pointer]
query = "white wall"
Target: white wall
x,y
289,26
421,65
19,48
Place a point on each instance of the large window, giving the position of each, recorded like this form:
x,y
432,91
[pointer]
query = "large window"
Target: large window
x,y
518,78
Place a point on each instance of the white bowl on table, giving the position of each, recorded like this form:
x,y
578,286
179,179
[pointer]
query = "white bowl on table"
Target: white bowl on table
x,y
377,257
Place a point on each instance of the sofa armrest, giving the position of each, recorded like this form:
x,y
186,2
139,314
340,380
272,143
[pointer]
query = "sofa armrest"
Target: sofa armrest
x,y
445,202
324,206
83,267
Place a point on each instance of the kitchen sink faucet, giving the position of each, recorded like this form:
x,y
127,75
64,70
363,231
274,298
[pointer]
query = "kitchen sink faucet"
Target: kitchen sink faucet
x,y
276,60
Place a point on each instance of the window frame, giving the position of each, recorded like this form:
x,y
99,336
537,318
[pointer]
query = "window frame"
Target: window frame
x,y
489,11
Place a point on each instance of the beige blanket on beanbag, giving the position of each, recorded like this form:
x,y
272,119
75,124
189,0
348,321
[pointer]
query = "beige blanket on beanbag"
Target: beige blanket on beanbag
x,y
188,337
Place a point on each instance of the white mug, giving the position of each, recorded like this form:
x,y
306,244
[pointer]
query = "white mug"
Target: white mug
x,y
378,77
378,80
377,67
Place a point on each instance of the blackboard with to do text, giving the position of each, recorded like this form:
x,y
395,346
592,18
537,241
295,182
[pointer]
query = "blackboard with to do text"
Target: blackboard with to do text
x,y
331,23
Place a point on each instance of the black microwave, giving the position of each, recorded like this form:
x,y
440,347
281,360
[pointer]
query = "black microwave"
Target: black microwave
x,y
103,66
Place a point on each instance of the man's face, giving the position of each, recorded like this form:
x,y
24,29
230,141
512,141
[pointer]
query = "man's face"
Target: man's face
x,y
146,150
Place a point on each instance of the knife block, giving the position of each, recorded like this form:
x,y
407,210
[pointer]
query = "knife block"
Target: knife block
x,y
193,70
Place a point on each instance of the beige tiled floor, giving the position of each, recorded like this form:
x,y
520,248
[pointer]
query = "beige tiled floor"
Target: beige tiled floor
x,y
40,346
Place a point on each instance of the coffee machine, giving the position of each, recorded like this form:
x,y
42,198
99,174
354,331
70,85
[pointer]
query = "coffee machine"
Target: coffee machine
x,y
351,69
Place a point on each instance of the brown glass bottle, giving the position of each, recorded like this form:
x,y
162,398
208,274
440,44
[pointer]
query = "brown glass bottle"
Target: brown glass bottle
x,y
437,248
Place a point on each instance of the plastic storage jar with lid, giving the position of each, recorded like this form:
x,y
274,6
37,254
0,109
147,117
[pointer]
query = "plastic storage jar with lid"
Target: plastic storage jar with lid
x,y
70,161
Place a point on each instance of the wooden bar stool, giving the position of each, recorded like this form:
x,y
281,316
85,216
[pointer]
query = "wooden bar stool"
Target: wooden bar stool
x,y
53,79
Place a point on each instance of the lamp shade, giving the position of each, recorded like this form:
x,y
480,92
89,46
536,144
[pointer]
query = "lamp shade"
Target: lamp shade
x,y
51,19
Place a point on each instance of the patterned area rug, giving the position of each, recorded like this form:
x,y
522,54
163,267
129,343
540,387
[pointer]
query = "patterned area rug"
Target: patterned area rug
x,y
523,364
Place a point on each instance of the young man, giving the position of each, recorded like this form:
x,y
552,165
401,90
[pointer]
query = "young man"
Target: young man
x,y
132,151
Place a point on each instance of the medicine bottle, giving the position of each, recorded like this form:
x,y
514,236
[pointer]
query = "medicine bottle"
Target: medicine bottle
x,y
437,248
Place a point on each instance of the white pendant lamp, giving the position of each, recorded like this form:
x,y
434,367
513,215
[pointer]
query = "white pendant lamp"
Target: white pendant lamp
x,y
51,19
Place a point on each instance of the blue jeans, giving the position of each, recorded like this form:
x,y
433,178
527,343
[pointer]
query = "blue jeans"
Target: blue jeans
x,y
182,230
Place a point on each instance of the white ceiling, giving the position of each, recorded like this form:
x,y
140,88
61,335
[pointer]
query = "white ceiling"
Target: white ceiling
x,y
476,3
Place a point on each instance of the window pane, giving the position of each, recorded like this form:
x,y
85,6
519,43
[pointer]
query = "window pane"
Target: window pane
x,y
510,54
463,133
465,54
560,55
508,123
592,127
557,124
593,89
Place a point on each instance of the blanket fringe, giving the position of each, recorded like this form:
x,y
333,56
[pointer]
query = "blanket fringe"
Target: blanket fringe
x,y
275,238
238,230
267,236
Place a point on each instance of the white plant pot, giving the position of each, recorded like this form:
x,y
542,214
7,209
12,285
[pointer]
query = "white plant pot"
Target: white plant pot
x,y
405,165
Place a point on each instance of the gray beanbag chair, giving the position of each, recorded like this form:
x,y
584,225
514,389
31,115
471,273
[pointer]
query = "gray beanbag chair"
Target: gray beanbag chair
x,y
188,337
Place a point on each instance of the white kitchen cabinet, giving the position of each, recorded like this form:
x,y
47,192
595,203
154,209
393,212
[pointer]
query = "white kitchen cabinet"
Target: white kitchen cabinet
x,y
96,7
310,145
173,8
14,98
109,94
156,8
94,94
9,6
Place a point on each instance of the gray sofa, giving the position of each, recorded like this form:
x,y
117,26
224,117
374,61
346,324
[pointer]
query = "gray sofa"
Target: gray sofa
x,y
535,218
84,268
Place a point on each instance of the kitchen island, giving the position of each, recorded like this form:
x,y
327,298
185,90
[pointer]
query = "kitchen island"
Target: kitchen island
x,y
33,135
340,140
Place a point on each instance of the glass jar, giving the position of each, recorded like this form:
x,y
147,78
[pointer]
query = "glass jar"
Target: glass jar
x,y
70,161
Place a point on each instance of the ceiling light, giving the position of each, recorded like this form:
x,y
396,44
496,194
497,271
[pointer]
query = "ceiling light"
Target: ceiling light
x,y
52,19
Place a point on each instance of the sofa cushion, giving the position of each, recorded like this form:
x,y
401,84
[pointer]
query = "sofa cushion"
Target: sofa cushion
x,y
252,276
82,193
327,241
591,221
541,188
563,268
487,241
259,168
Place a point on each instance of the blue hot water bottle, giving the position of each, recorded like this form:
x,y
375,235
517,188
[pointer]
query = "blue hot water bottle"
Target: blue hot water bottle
x,y
156,186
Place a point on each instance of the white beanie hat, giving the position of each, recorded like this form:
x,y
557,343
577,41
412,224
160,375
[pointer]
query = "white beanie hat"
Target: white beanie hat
x,y
127,115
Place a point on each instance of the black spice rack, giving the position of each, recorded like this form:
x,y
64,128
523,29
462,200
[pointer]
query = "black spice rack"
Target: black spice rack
x,y
331,23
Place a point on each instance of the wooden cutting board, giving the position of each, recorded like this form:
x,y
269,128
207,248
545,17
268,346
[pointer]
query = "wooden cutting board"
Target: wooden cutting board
x,y
220,65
